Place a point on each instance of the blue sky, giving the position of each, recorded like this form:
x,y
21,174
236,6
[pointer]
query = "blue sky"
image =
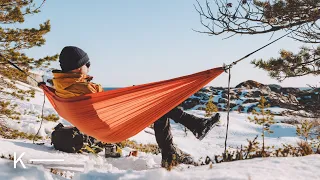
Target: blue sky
x,y
134,42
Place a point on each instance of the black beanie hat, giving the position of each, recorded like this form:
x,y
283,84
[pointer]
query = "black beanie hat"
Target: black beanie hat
x,y
72,57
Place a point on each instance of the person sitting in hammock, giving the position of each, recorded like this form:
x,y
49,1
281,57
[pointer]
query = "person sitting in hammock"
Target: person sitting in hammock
x,y
73,80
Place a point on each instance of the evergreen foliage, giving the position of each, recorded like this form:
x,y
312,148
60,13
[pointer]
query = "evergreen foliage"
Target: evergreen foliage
x,y
259,17
13,43
264,118
210,108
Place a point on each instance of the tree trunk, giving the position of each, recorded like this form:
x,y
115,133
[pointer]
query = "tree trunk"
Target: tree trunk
x,y
263,140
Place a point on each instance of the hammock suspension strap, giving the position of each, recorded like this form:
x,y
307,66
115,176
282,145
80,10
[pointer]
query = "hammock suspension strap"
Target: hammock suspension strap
x,y
228,116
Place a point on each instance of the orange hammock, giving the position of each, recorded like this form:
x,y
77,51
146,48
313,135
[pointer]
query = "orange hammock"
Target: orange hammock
x,y
116,115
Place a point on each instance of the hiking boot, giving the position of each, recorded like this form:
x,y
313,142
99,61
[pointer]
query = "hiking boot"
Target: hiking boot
x,y
206,126
175,157
197,125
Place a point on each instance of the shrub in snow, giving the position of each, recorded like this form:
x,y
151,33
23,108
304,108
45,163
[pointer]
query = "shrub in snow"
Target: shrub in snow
x,y
147,148
8,110
210,108
305,148
8,133
263,118
303,130
52,117
310,132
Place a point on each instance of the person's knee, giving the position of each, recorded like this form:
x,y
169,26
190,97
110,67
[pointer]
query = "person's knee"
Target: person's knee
x,y
176,111
175,114
161,123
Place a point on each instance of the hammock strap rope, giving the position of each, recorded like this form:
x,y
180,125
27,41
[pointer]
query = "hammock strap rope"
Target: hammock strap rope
x,y
228,116
246,56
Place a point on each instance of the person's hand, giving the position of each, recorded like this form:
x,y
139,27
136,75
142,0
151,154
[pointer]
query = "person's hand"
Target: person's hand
x,y
89,78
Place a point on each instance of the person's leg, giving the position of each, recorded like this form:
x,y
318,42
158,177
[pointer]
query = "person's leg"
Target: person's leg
x,y
171,155
163,134
198,126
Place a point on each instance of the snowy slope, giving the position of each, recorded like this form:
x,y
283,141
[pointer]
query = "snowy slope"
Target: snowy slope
x,y
146,166
296,168
271,168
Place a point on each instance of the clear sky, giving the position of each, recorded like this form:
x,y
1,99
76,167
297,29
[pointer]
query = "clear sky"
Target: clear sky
x,y
133,42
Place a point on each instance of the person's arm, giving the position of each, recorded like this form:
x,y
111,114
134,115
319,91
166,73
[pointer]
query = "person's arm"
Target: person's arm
x,y
94,88
84,88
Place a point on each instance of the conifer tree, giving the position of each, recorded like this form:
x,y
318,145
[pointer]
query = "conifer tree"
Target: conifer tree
x,y
14,41
210,108
310,132
304,129
289,64
257,17
264,118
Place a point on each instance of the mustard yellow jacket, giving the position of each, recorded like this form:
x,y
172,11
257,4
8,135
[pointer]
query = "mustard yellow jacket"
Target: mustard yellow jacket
x,y
69,85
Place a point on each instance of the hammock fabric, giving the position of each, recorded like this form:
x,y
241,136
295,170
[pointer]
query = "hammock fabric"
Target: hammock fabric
x,y
116,115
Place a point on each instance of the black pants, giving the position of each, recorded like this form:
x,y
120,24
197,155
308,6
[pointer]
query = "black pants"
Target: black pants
x,y
163,130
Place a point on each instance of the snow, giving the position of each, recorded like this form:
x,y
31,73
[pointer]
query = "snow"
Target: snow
x,y
199,106
239,101
277,110
271,168
217,97
146,166
31,173
293,168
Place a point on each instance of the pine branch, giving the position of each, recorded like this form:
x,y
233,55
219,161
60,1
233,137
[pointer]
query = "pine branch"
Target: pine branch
x,y
12,43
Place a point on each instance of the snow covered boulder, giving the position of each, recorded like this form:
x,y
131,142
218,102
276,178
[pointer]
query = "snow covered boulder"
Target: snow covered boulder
x,y
256,94
222,100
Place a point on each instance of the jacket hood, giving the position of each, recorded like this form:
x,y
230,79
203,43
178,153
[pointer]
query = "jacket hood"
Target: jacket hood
x,y
63,80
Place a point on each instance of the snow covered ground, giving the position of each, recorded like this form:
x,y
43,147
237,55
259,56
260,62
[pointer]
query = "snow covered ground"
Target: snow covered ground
x,y
146,166
294,168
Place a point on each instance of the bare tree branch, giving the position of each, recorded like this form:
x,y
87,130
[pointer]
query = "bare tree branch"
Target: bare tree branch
x,y
259,17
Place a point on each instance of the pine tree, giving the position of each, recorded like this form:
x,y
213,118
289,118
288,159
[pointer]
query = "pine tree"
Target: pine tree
x,y
262,17
210,107
264,118
310,132
289,64
13,42
304,129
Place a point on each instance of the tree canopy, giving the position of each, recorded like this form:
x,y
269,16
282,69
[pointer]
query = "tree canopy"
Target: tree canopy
x,y
13,42
254,17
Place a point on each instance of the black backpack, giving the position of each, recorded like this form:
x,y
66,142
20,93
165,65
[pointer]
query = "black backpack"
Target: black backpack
x,y
67,139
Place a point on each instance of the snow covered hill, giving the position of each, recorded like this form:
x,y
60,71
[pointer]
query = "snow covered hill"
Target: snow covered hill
x,y
245,97
147,166
294,168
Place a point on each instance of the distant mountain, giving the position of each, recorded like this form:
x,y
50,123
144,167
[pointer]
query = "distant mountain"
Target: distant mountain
x,y
245,97
109,88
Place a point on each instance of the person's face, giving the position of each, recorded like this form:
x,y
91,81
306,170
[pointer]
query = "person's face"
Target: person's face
x,y
84,69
